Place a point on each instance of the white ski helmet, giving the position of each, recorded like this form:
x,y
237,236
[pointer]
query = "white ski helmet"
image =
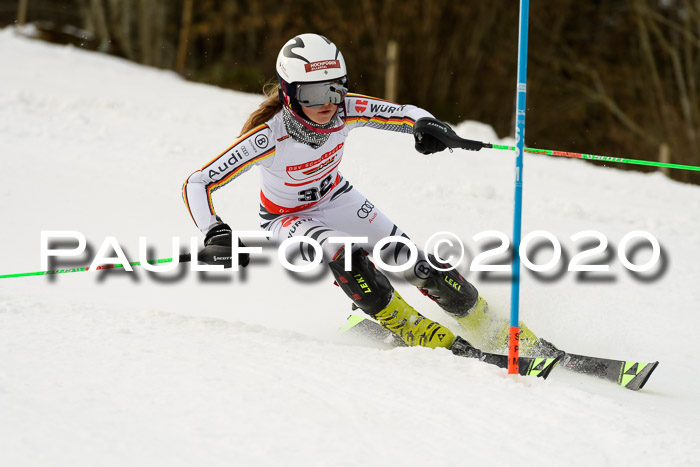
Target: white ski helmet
x,y
310,58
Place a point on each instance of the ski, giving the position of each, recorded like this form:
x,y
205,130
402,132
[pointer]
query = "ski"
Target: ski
x,y
626,373
373,331
629,374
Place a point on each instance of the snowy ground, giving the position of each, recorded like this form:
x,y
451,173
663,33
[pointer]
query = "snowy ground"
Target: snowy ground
x,y
247,368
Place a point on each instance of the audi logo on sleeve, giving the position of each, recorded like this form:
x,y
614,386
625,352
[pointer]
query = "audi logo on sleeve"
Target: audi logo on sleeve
x,y
365,210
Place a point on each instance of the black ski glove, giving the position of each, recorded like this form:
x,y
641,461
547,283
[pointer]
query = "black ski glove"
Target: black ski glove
x,y
432,135
217,247
219,235
425,131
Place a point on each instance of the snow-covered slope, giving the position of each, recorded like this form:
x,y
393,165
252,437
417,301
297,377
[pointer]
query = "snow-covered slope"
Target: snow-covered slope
x,y
247,368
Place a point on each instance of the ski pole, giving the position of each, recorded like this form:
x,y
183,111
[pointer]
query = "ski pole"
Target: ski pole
x,y
212,255
592,157
473,145
183,258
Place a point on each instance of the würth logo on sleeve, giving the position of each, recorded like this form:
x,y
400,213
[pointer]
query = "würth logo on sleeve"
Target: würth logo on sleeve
x,y
322,65
360,105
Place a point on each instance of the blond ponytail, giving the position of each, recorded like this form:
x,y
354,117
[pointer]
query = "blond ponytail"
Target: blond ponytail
x,y
267,109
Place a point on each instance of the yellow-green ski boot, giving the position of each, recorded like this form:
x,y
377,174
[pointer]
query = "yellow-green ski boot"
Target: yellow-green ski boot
x,y
412,327
478,321
491,332
528,339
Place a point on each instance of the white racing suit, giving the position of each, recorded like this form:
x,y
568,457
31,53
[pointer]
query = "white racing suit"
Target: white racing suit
x,y
302,191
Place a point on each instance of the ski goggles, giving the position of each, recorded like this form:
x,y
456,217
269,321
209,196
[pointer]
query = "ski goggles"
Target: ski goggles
x,y
318,94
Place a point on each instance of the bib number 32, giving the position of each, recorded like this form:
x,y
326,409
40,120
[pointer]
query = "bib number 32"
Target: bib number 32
x,y
316,193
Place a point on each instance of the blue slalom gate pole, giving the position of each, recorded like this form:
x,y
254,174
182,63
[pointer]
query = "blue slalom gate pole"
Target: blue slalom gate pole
x,y
514,335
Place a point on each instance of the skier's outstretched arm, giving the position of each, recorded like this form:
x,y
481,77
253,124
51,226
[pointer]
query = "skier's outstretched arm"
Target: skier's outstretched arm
x,y
255,147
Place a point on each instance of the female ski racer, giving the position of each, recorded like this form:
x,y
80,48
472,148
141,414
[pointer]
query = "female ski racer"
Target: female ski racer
x,y
297,138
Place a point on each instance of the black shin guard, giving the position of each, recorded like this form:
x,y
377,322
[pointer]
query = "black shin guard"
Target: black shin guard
x,y
368,288
450,290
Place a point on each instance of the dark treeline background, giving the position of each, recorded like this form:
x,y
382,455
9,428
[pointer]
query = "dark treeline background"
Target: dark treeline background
x,y
608,77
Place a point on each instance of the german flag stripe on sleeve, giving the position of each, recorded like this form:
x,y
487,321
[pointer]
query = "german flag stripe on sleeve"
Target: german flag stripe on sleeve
x,y
383,120
362,96
239,170
184,197
250,133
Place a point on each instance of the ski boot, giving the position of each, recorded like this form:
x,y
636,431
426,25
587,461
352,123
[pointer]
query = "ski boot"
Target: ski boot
x,y
530,344
372,292
478,320
528,340
411,327
497,333
461,300
482,323
449,290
